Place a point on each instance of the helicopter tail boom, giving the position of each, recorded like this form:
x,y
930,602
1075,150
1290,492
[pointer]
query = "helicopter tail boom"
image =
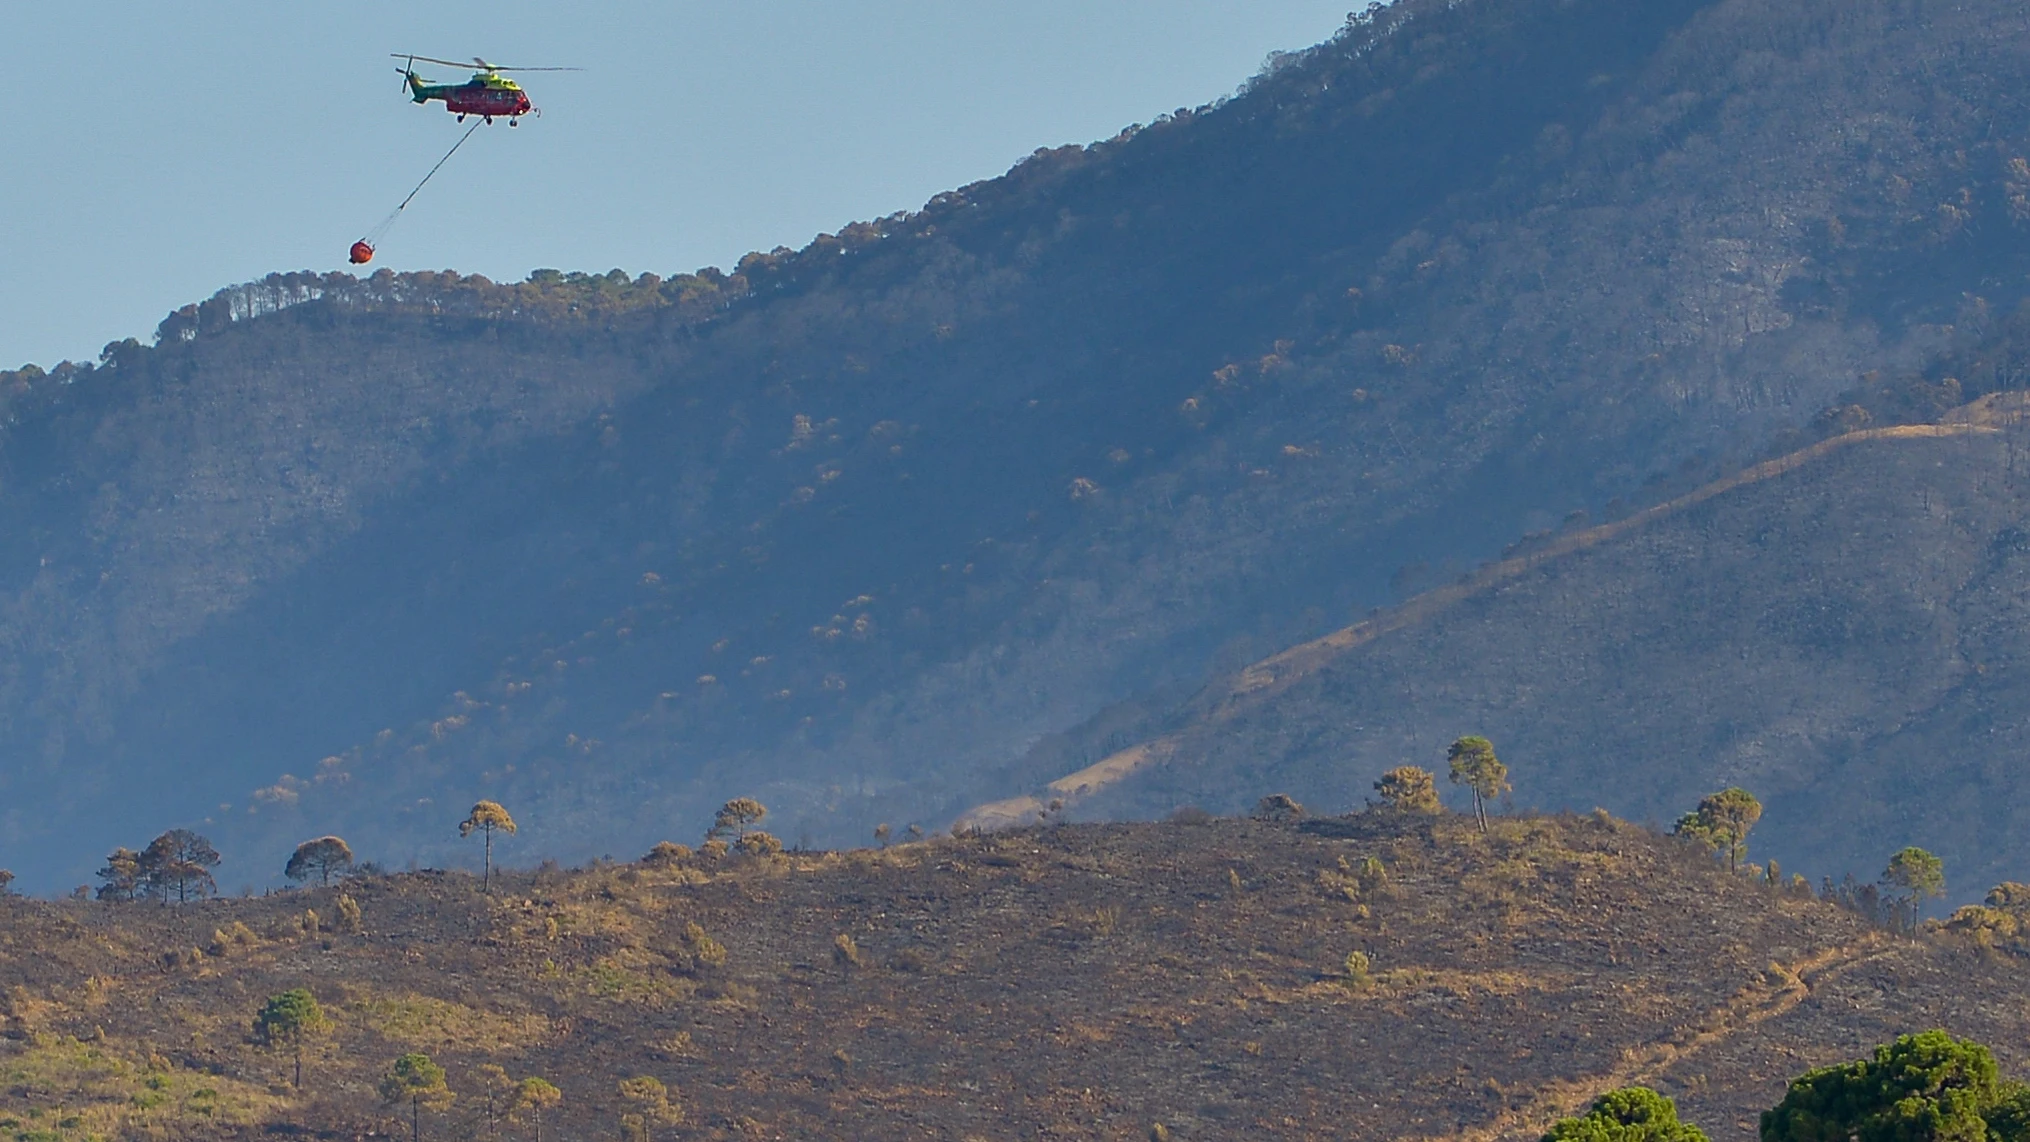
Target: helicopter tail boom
x,y
418,90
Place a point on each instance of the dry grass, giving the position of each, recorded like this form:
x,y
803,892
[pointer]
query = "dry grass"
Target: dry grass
x,y
1069,981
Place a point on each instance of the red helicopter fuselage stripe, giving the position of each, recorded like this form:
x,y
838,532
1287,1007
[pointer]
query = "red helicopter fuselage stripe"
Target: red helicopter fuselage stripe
x,y
482,101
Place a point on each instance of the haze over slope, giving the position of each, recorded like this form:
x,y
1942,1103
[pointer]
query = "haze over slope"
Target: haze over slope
x,y
856,529
1755,639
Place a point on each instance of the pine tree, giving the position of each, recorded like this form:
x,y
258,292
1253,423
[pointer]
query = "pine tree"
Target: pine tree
x,y
416,1080
487,816
319,858
180,862
1721,823
1475,766
1912,877
287,1019
736,817
121,878
535,1095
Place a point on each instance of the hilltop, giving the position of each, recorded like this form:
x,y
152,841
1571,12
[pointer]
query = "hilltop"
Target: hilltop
x,y
1088,980
946,504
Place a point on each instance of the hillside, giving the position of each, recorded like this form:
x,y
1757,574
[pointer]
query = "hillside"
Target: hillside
x,y
947,503
1751,634
1085,981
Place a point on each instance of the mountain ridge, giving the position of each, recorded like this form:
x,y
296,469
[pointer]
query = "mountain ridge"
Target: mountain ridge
x,y
1081,437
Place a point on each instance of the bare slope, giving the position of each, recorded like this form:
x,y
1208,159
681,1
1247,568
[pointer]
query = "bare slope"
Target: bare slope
x,y
861,527
1839,631
1083,981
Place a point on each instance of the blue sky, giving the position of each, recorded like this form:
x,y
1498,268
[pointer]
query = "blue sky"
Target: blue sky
x,y
155,152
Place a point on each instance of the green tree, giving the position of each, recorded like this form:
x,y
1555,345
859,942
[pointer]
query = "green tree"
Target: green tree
x,y
736,817
1721,823
1928,1087
1475,766
1409,789
652,1105
487,817
178,862
319,858
121,878
416,1080
533,1096
286,1020
1913,876
1631,1114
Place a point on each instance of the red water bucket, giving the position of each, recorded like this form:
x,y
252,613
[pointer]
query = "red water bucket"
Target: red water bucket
x,y
362,253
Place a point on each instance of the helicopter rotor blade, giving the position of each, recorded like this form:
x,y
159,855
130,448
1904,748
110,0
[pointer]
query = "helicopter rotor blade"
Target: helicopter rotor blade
x,y
476,61
427,59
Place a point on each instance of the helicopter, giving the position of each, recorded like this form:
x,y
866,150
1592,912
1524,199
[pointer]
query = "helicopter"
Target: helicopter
x,y
488,93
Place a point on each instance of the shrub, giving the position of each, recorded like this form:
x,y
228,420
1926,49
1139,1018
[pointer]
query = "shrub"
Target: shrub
x,y
666,854
1631,1114
1408,789
1278,807
1338,884
758,843
1358,969
224,941
695,952
846,952
348,915
2010,896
